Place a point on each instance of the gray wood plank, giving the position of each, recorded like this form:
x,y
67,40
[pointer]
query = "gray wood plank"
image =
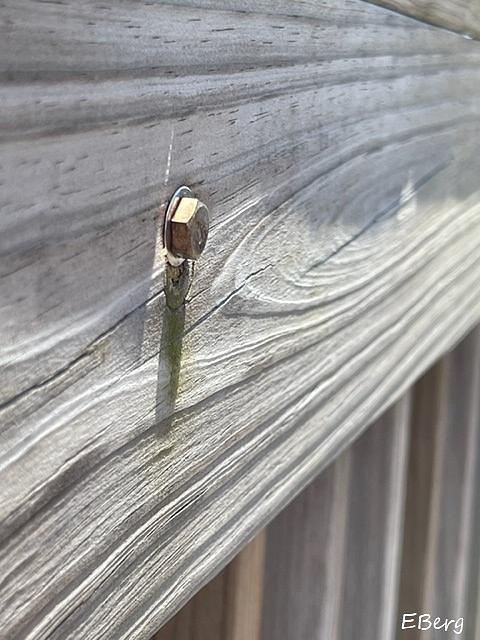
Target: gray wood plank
x,y
462,16
440,558
337,146
332,568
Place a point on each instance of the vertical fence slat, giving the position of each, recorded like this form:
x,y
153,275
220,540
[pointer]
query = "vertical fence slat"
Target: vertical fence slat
x,y
243,606
424,429
201,618
332,567
442,529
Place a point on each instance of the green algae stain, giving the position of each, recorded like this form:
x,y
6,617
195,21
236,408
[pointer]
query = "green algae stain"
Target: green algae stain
x,y
174,323
177,284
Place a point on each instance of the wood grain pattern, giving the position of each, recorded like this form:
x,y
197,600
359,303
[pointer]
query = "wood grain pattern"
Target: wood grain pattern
x,y
462,16
229,607
333,567
440,559
337,146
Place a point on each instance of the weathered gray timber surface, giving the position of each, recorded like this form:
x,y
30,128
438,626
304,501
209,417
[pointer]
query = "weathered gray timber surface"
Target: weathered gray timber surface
x,y
333,556
337,146
462,16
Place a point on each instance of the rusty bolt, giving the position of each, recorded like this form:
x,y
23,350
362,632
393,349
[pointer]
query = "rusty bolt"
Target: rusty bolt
x,y
189,228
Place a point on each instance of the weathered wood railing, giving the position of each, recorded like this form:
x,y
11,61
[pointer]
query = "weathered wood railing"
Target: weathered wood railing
x,y
336,144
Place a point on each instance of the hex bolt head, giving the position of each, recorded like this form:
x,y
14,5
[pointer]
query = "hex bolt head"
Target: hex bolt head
x,y
189,228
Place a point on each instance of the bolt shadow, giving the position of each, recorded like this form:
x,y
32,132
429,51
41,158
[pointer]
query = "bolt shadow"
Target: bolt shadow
x,y
177,285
